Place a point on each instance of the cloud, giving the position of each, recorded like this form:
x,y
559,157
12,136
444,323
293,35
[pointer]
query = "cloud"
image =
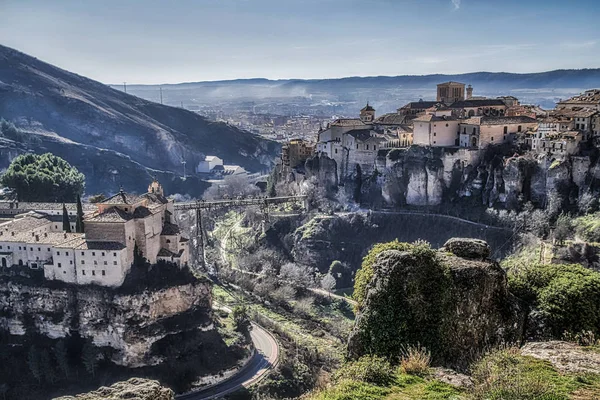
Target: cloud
x,y
456,4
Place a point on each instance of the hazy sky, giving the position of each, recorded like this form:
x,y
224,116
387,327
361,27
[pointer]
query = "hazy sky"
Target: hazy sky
x,y
170,41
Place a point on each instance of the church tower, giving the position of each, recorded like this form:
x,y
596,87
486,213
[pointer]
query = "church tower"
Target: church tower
x,y
469,92
156,188
367,114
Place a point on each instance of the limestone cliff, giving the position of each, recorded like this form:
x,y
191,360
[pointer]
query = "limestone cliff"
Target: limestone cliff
x,y
495,177
132,389
129,323
452,301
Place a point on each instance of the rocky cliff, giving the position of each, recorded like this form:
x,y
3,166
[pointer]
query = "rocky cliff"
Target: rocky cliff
x,y
496,177
453,301
132,389
130,324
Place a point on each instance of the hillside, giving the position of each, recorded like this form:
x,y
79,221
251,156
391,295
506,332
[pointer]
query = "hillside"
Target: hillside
x,y
386,93
111,136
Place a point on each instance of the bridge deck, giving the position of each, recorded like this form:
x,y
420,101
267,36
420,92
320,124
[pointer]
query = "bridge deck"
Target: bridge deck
x,y
201,204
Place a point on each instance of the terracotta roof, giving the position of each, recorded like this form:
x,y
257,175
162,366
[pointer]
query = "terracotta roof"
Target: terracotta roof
x,y
155,198
113,214
419,105
431,117
46,238
577,112
33,206
26,222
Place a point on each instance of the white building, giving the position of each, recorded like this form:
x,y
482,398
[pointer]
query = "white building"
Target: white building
x,y
436,129
206,166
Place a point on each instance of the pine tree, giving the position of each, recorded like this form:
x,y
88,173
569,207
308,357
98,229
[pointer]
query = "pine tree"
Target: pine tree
x,y
79,222
61,356
90,358
66,223
33,361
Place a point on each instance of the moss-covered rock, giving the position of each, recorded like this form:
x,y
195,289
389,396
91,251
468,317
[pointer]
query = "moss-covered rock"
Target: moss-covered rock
x,y
468,248
455,307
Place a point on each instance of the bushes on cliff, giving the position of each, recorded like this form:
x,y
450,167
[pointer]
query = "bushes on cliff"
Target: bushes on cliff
x,y
588,227
566,296
366,271
43,177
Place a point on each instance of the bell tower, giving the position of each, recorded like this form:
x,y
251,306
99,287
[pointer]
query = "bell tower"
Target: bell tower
x,y
367,114
156,188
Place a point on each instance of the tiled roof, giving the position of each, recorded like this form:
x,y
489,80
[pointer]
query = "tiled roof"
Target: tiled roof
x,y
391,119
113,214
33,206
499,120
360,134
141,212
450,83
577,112
46,238
431,117
122,198
477,103
25,223
348,122
183,240
170,229
155,198
419,105
367,108
167,253
95,245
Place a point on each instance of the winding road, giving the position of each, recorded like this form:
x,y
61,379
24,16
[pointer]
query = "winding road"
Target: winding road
x,y
263,360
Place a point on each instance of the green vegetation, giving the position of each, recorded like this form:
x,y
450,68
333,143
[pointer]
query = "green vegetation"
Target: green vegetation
x,y
365,273
375,378
43,177
568,296
507,375
587,227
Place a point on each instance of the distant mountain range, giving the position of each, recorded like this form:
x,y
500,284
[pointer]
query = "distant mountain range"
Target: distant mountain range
x,y
113,137
386,93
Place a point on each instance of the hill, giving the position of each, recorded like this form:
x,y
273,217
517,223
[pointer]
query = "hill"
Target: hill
x,y
111,136
347,95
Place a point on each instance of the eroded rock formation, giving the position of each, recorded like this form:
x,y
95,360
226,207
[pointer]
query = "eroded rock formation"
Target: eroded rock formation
x,y
132,389
456,307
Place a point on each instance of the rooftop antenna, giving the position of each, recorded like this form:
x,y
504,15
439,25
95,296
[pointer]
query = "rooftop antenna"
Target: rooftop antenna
x,y
125,87
161,95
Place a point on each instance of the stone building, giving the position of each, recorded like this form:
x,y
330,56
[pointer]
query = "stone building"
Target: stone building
x,y
104,253
296,152
450,92
436,129
588,99
480,132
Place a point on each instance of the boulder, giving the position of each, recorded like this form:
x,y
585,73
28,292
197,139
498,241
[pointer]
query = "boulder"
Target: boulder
x,y
455,307
132,389
468,248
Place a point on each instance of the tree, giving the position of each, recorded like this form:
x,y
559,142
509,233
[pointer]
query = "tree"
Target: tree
x,y
47,367
357,184
43,177
328,283
271,183
79,228
97,198
89,357
239,316
65,219
61,356
33,361
563,228
138,256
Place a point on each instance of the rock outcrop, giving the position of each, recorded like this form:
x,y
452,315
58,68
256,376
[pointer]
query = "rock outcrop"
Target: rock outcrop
x,y
468,248
455,307
564,356
132,389
130,323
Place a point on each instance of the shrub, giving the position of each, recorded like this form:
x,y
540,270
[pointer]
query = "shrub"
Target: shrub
x,y
415,361
588,227
370,369
239,316
568,296
365,273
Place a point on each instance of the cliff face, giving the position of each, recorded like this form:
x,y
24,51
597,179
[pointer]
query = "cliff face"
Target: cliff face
x,y
453,301
128,323
132,389
422,176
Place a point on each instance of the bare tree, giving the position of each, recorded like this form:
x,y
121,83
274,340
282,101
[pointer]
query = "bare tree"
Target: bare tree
x,y
328,283
231,187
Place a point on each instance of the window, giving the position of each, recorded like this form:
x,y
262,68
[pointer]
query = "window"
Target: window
x,y
93,253
19,247
434,142
519,128
102,254
39,249
105,262
82,253
95,262
64,272
58,253
168,240
94,272
103,272
71,262
335,151
31,249
374,147
83,272
367,146
357,145
505,130
67,253
434,134
48,248
114,263
82,262
446,125
59,265
114,254
492,138
474,131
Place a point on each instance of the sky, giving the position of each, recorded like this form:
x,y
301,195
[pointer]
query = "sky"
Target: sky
x,y
173,41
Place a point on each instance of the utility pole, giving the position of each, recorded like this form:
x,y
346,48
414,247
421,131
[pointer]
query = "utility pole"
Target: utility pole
x,y
125,87
161,95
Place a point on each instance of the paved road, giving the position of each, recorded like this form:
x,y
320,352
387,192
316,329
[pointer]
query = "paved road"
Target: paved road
x,y
265,359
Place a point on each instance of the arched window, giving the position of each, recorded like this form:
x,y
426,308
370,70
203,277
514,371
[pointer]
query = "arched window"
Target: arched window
x,y
168,240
